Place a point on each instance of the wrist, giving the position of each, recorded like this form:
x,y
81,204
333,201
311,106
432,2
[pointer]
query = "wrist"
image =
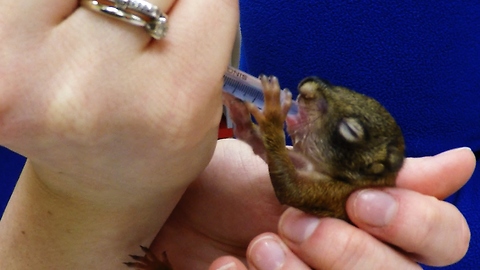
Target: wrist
x,y
69,229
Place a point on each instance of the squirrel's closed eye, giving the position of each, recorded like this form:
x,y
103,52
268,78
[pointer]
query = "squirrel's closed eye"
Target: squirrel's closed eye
x,y
351,129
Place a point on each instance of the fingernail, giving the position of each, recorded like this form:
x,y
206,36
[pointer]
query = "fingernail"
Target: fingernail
x,y
460,149
298,226
375,207
228,266
267,254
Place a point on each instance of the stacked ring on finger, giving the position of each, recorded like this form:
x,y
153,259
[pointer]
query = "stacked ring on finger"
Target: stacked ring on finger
x,y
136,12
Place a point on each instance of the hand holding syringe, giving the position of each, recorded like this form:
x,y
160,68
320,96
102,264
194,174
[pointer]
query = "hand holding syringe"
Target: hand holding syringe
x,y
248,88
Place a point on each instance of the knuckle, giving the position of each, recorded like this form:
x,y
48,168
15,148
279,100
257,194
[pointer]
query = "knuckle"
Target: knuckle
x,y
459,243
350,248
463,241
430,218
443,238
427,223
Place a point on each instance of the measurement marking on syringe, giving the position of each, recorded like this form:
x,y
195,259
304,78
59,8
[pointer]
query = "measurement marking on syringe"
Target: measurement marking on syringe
x,y
247,88
245,91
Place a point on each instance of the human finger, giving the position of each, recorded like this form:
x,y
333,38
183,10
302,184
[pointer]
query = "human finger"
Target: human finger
x,y
194,49
44,13
268,252
103,30
227,263
327,243
439,175
431,231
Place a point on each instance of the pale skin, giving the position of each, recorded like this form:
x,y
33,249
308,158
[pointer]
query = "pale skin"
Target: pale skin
x,y
441,236
95,106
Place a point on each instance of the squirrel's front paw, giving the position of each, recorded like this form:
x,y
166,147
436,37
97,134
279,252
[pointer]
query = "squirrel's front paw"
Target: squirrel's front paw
x,y
275,111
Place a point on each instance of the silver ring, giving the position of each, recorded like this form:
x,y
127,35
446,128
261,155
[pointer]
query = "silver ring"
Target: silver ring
x,y
156,25
141,6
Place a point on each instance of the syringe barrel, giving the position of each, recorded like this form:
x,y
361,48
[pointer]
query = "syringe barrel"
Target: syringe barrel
x,y
248,88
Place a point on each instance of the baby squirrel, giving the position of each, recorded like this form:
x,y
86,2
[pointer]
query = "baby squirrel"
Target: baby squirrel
x,y
342,141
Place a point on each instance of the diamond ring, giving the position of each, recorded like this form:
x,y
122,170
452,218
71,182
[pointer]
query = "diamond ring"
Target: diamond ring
x,y
136,12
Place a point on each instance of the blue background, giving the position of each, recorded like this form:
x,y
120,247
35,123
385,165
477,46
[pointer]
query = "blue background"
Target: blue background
x,y
420,59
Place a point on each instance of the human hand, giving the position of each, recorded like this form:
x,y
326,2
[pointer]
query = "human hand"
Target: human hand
x,y
233,202
95,100
79,82
114,124
94,97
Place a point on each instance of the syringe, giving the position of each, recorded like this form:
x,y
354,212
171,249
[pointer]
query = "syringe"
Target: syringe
x,y
248,88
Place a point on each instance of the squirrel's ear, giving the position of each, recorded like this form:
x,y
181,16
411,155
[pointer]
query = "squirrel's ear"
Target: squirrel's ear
x,y
318,82
376,168
393,162
395,158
